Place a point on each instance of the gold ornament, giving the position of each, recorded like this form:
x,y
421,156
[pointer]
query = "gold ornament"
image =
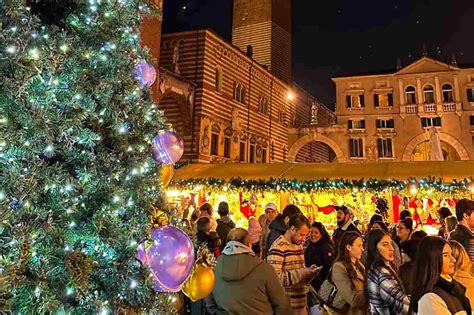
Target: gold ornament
x,y
166,174
159,218
177,302
200,283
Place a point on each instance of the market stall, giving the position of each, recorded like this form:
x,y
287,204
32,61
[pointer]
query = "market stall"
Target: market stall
x,y
421,187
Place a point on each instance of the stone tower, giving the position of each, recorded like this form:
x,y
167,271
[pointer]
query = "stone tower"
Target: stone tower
x,y
266,26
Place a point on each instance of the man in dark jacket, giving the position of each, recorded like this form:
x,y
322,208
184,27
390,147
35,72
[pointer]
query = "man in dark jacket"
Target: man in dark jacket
x,y
224,224
344,224
463,232
244,283
279,226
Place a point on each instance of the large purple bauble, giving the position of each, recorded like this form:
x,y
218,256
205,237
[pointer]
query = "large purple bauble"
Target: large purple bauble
x,y
170,258
144,73
168,147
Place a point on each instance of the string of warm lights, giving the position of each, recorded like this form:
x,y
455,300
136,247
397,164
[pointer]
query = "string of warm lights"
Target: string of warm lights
x,y
411,184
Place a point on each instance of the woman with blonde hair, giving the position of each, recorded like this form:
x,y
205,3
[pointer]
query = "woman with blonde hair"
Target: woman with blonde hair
x,y
463,269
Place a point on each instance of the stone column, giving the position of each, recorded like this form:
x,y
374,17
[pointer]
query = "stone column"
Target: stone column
x,y
419,96
401,91
439,99
457,97
438,91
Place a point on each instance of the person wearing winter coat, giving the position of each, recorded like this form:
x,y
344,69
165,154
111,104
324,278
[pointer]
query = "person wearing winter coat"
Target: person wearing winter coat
x,y
344,224
348,273
435,291
255,232
463,270
271,213
319,252
203,236
224,224
279,225
463,231
244,284
385,292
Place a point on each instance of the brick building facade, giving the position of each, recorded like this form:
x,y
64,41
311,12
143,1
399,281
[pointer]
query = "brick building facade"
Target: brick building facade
x,y
241,112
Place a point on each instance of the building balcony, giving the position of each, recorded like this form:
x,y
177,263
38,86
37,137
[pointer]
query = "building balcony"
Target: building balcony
x,y
429,108
411,109
449,107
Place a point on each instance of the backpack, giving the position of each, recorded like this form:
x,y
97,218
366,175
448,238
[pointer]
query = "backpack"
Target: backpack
x,y
330,296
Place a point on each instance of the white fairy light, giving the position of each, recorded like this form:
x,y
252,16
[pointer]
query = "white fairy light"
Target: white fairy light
x,y
11,49
34,53
64,48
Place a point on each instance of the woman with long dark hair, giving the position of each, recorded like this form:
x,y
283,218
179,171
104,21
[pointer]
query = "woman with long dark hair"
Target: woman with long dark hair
x,y
434,290
384,288
348,272
319,252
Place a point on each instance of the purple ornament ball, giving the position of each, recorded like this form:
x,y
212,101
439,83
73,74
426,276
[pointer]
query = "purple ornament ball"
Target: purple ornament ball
x,y
168,147
144,73
170,258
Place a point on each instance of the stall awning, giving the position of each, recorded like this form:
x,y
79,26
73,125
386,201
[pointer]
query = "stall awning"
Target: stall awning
x,y
447,171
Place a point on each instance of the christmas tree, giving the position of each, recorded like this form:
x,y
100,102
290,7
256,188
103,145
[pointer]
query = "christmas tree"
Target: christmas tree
x,y
77,178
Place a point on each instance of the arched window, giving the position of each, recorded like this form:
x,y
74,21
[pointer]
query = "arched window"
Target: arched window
x,y
263,105
428,94
410,95
218,79
447,93
239,92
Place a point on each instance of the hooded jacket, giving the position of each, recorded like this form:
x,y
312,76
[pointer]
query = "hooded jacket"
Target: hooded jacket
x,y
277,228
246,285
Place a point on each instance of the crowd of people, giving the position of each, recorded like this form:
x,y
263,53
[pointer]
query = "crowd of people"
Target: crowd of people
x,y
284,264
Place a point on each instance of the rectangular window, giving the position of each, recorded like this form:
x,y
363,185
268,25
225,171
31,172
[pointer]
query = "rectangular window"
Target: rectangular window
x,y
356,124
264,156
355,101
252,153
218,80
215,144
242,152
384,148
227,147
430,122
385,123
471,120
356,147
411,97
470,95
383,100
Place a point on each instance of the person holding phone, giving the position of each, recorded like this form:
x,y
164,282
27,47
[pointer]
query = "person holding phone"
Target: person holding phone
x,y
286,256
319,252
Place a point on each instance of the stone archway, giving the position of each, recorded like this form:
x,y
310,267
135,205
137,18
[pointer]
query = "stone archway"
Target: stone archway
x,y
425,136
315,137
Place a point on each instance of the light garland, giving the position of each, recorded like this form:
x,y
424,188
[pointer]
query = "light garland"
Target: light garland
x,y
372,184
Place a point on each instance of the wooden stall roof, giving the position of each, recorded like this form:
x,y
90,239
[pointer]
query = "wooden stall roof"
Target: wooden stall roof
x,y
446,170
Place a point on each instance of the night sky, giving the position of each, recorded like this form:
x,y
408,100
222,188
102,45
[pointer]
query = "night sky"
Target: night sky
x,y
338,37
